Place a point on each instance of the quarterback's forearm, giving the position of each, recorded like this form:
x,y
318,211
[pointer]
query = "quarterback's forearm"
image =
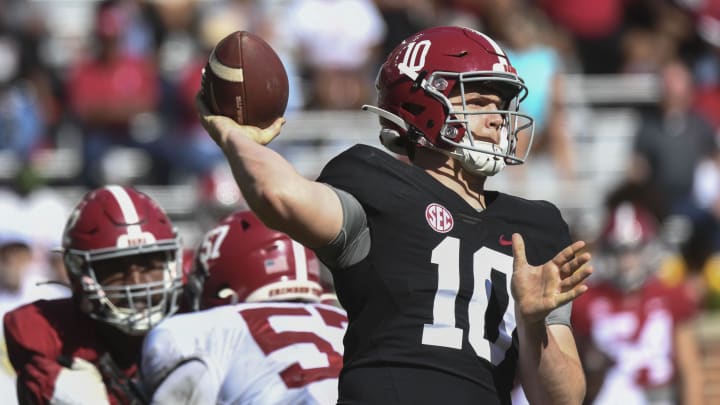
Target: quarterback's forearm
x,y
550,370
308,211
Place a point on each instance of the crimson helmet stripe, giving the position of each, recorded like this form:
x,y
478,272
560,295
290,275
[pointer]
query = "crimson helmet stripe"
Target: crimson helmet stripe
x,y
127,207
301,270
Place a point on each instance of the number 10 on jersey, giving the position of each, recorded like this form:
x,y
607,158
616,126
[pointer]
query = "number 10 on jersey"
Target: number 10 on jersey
x,y
491,315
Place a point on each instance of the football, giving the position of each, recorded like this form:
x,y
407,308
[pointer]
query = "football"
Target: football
x,y
244,79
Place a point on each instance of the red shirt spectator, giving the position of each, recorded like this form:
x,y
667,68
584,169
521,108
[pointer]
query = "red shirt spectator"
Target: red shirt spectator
x,y
111,91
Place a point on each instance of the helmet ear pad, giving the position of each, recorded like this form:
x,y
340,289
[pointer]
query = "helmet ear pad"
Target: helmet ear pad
x,y
423,111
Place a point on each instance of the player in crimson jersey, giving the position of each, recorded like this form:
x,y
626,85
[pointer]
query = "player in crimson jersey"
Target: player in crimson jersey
x,y
633,330
124,264
262,335
450,289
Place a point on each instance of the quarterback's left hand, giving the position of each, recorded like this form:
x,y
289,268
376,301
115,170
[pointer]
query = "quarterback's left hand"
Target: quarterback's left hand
x,y
538,290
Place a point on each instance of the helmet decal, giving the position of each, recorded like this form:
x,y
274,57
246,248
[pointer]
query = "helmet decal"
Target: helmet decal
x,y
135,238
276,265
210,248
414,59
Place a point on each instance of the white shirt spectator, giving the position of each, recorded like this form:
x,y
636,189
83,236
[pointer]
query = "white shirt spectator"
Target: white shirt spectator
x,y
336,33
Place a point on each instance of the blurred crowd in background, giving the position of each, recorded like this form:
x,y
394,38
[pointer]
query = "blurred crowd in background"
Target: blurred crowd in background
x,y
101,91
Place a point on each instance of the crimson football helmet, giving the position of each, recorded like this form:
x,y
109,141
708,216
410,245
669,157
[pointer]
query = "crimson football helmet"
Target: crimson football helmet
x,y
630,249
113,224
414,84
242,260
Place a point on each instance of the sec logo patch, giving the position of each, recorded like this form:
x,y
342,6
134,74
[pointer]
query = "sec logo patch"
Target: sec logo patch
x,y
439,218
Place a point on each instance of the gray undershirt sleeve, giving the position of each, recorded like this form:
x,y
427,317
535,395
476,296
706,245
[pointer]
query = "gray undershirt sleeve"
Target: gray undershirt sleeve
x,y
352,244
560,315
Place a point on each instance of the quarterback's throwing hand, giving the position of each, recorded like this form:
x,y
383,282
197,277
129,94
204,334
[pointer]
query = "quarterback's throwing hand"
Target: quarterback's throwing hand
x,y
538,290
223,129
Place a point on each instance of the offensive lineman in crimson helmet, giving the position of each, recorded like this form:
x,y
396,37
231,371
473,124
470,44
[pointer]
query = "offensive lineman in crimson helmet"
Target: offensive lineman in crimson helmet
x,y
123,258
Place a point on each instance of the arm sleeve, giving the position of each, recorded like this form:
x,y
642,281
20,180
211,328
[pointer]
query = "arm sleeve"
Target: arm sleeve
x,y
559,228
352,244
36,381
560,315
31,354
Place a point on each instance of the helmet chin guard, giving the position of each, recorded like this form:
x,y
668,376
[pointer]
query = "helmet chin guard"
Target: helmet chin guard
x,y
478,163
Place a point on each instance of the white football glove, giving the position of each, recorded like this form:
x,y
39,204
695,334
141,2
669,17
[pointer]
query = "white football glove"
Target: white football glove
x,y
191,384
81,384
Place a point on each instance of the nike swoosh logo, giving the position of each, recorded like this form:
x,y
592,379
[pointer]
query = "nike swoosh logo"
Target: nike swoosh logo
x,y
504,242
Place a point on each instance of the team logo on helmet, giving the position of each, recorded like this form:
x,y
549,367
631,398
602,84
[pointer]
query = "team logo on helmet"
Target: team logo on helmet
x,y
414,59
439,218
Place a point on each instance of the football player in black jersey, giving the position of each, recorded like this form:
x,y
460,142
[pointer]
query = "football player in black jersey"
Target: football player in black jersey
x,y
452,291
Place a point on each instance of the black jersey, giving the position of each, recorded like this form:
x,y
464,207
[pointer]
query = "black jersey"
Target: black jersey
x,y
434,291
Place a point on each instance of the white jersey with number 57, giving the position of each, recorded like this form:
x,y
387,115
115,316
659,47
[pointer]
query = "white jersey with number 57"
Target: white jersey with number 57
x,y
249,353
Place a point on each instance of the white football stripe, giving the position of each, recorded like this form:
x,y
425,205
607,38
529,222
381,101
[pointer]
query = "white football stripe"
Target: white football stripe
x,y
301,270
127,208
225,72
494,44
